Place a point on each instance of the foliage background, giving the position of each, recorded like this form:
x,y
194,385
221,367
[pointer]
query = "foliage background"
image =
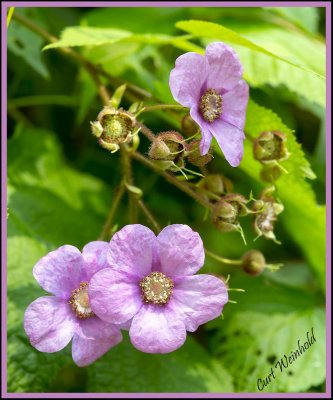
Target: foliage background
x,y
61,185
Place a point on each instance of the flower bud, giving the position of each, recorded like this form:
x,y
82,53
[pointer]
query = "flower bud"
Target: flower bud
x,y
168,146
270,173
270,146
226,212
213,186
189,126
113,127
267,209
253,262
194,156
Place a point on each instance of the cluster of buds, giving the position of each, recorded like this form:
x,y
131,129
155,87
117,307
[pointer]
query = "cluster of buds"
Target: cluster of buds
x,y
113,127
266,210
254,263
269,148
171,149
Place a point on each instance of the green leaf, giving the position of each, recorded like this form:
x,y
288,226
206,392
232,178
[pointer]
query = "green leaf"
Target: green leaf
x,y
87,36
215,31
303,216
27,45
91,36
252,343
262,70
189,369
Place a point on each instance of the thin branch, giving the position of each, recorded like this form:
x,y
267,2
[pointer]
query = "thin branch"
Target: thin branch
x,y
149,216
108,223
172,179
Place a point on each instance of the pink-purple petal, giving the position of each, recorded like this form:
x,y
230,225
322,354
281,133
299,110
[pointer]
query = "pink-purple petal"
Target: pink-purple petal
x,y
225,69
49,323
198,299
93,340
230,139
114,296
59,271
180,250
157,329
187,78
234,105
206,136
94,256
132,250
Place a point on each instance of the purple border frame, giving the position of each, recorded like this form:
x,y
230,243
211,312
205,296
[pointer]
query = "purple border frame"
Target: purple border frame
x,y
4,6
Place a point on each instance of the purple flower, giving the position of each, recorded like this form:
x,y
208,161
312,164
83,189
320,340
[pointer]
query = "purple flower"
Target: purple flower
x,y
52,321
151,281
211,86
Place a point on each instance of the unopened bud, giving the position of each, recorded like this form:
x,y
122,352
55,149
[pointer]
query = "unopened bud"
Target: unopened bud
x,y
194,156
270,146
253,262
226,212
270,173
189,126
168,146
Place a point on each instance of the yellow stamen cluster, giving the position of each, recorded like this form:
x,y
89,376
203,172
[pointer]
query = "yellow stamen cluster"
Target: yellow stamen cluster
x,y
156,288
211,105
79,301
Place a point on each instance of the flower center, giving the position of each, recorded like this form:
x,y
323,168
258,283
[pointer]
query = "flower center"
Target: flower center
x,y
79,301
211,105
156,288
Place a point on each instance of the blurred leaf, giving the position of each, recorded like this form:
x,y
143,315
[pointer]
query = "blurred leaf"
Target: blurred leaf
x,y
252,343
27,45
87,36
306,18
92,36
261,70
189,369
215,31
303,217
50,204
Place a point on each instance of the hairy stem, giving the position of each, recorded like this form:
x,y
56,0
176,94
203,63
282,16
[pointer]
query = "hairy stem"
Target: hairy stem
x,y
108,223
164,107
172,179
145,130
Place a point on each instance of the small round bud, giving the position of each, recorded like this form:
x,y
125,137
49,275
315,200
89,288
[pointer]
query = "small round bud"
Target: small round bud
x,y
189,126
168,146
194,156
113,127
270,173
270,146
253,262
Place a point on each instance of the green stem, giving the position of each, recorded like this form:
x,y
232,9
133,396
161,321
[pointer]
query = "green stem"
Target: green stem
x,y
145,130
149,216
222,259
164,107
172,179
108,223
